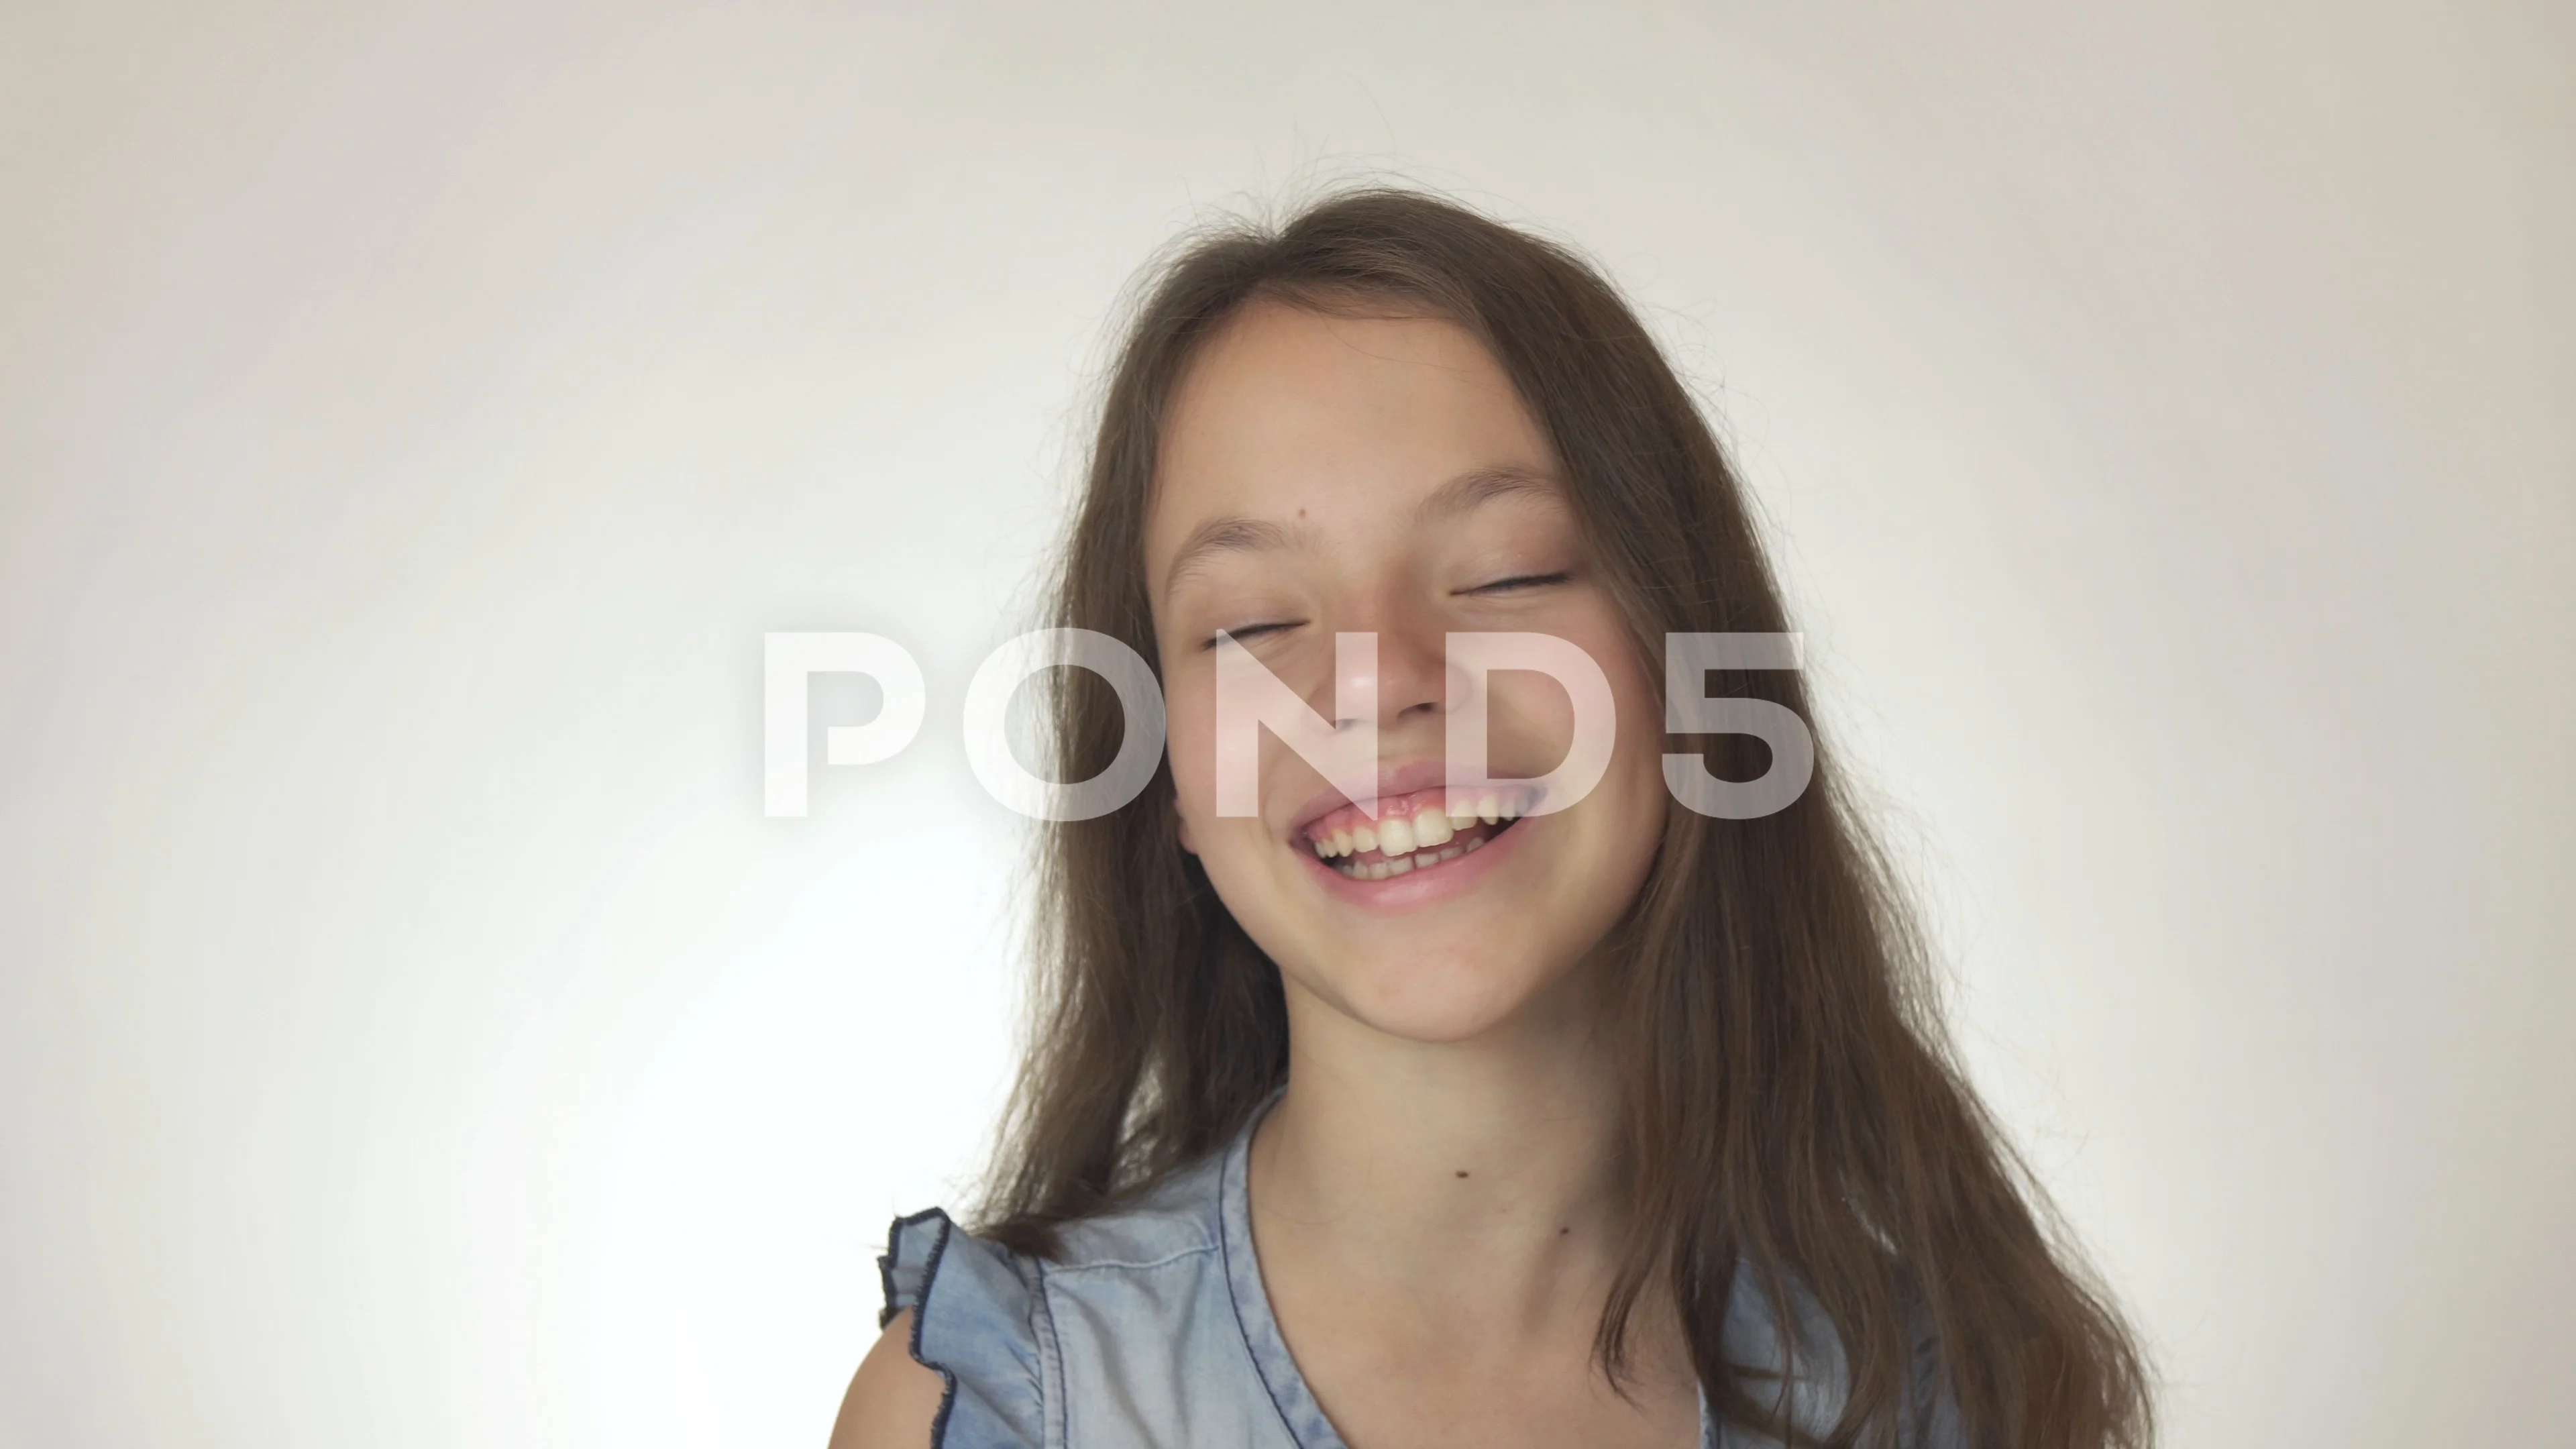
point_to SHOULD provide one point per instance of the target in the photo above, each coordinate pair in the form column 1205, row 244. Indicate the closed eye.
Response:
column 1249, row 631
column 1517, row 582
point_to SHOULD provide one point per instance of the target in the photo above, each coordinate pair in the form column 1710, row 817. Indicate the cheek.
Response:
column 1637, row 760
column 1190, row 745
column 1621, row 822
column 1640, row 749
column 1189, row 724
column 1536, row 714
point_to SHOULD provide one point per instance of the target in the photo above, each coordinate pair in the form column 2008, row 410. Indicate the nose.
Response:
column 1414, row 681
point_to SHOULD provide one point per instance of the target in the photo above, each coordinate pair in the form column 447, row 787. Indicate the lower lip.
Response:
column 1418, row 887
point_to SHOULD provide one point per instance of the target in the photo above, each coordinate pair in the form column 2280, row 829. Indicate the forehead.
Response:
column 1334, row 423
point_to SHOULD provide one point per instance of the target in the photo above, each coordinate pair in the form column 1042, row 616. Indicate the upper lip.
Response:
column 1395, row 779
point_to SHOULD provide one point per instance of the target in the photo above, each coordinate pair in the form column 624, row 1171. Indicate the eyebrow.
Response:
column 1230, row 534
column 1235, row 533
column 1480, row 486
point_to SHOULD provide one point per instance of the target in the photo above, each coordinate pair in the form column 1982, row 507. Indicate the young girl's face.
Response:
column 1322, row 475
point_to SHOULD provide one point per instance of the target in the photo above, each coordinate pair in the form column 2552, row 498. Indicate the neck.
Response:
column 1478, row 1173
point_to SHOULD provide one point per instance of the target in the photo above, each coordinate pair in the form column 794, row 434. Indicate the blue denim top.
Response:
column 1151, row 1328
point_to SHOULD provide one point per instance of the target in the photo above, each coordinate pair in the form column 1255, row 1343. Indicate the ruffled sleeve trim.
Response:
column 973, row 1324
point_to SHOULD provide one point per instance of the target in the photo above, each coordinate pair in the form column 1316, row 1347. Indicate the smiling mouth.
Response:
column 1420, row 831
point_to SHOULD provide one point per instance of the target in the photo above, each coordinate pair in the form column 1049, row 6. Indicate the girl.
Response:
column 1462, row 1117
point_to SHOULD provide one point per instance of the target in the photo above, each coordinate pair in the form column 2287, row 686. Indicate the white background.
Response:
column 411, row 418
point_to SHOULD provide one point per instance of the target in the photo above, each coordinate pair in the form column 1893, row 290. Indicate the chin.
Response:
column 1438, row 1000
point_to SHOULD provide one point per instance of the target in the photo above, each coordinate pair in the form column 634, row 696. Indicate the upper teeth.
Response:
column 1422, row 837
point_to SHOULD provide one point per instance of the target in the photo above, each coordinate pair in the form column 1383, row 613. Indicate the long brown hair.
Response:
column 1792, row 1117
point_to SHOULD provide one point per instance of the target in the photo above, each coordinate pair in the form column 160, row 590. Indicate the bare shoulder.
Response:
column 892, row 1400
